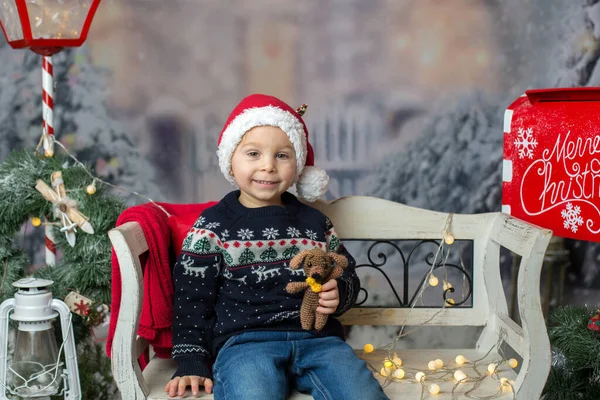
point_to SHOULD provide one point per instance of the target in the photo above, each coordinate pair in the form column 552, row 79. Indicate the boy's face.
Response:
column 263, row 166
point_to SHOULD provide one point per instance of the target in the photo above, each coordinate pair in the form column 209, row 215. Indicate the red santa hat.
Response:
column 262, row 110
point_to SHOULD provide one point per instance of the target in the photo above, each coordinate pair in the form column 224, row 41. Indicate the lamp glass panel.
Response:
column 31, row 372
column 9, row 16
column 57, row 19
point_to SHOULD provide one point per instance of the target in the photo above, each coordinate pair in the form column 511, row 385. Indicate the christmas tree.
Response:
column 575, row 372
column 84, row 267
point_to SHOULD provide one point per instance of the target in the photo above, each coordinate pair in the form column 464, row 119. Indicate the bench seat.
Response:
column 160, row 370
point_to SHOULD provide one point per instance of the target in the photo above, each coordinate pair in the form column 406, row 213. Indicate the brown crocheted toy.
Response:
column 319, row 268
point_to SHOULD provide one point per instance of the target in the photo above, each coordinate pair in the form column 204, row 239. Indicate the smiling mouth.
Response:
column 265, row 182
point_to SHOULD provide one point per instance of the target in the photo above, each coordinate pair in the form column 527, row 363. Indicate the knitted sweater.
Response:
column 232, row 272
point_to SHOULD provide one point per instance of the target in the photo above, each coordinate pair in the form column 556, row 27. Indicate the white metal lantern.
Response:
column 36, row 369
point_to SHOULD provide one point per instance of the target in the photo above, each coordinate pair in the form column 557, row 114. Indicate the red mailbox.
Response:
column 551, row 166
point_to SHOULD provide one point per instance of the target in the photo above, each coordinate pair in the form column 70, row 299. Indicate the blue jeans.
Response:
column 266, row 365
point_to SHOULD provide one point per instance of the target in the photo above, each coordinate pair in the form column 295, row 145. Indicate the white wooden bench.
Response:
column 368, row 218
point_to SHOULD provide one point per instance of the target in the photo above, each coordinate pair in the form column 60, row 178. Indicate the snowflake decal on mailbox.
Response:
column 526, row 143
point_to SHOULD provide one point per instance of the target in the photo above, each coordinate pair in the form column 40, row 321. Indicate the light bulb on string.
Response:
column 433, row 280
column 507, row 385
column 449, row 239
column 460, row 359
column 434, row 389
column 398, row 373
column 459, row 375
column 91, row 189
column 513, row 363
column 420, row 376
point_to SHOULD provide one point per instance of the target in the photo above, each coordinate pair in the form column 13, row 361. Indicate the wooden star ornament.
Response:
column 65, row 208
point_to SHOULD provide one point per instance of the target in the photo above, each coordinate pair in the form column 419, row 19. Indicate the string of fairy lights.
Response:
column 91, row 188
column 460, row 371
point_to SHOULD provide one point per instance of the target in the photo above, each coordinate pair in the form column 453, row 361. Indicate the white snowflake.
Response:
column 270, row 233
column 212, row 225
column 225, row 234
column 200, row 222
column 311, row 235
column 293, row 232
column 245, row 234
column 526, row 143
column 572, row 219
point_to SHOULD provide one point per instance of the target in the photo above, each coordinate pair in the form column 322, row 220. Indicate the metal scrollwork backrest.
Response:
column 447, row 258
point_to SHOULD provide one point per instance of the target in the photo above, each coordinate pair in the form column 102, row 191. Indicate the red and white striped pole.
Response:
column 50, row 245
column 48, row 142
column 48, row 106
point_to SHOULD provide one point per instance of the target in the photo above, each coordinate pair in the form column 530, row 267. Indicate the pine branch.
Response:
column 575, row 372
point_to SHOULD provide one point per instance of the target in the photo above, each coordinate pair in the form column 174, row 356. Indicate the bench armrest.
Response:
column 128, row 242
column 530, row 339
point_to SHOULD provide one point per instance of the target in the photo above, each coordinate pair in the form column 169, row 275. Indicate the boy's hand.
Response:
column 177, row 385
column 329, row 297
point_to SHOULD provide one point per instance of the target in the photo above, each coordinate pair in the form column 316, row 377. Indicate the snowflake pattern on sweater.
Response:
column 232, row 271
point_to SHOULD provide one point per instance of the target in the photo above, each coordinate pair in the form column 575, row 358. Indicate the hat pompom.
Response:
column 312, row 183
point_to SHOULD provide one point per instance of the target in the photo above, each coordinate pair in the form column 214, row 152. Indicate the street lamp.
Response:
column 35, row 369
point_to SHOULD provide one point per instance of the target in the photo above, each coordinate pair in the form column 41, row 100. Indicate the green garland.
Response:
column 575, row 373
column 85, row 267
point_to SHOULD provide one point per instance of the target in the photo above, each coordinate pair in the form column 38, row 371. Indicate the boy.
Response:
column 230, row 278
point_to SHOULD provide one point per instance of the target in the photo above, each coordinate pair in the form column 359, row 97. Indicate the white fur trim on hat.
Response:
column 312, row 183
column 261, row 116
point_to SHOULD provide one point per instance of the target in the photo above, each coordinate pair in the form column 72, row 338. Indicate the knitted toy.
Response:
column 319, row 268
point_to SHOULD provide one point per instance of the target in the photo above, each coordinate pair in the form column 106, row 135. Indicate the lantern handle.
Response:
column 74, row 387
column 5, row 308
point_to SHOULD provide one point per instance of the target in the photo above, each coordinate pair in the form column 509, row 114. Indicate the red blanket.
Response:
column 156, row 316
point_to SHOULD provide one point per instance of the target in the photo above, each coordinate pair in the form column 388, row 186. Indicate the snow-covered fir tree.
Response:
column 455, row 163
column 100, row 138
column 20, row 98
column 575, row 57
